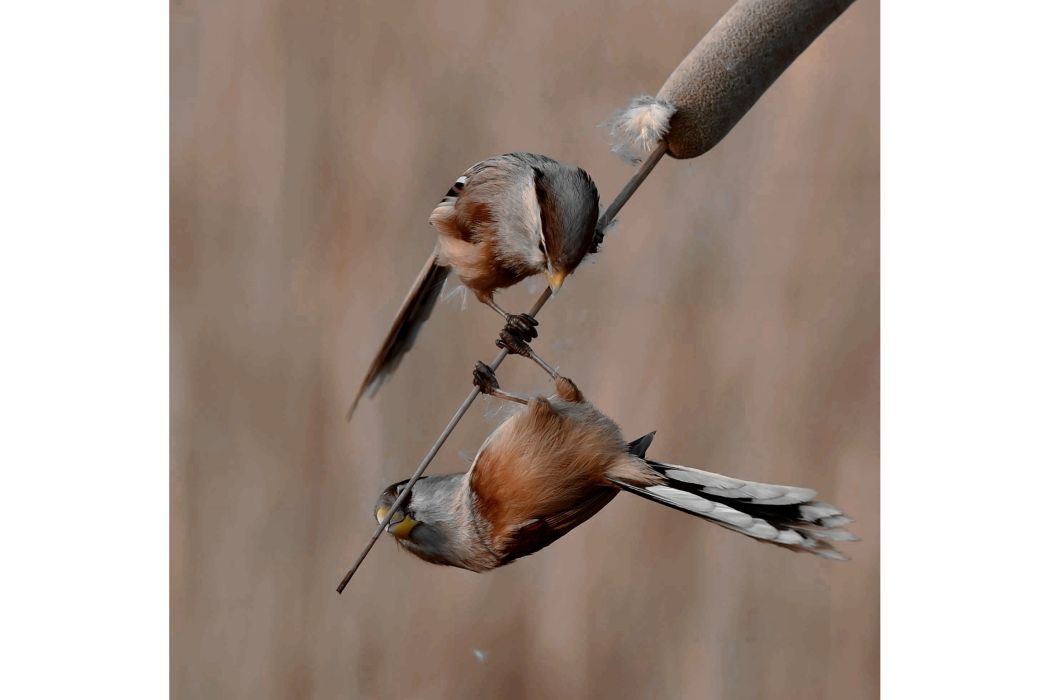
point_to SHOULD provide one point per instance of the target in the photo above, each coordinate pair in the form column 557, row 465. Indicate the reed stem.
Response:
column 604, row 220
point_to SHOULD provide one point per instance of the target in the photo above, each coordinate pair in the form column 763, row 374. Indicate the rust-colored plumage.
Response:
column 550, row 467
column 545, row 462
column 507, row 218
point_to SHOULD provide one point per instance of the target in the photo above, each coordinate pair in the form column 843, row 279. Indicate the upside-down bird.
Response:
column 507, row 218
column 553, row 465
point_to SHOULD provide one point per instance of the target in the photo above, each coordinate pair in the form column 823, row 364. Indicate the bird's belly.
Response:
column 477, row 268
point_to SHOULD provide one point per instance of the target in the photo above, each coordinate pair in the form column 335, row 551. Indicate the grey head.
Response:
column 434, row 522
column 568, row 203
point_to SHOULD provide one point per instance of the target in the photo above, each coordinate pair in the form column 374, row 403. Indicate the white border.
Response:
column 83, row 283
column 83, row 279
column 966, row 350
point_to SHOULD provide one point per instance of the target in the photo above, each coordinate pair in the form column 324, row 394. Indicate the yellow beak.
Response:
column 555, row 280
column 400, row 525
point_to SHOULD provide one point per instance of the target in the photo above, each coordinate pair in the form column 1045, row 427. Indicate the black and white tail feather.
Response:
column 787, row 516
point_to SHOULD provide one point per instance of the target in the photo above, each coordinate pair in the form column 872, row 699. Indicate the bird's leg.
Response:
column 491, row 303
column 523, row 325
column 514, row 344
column 485, row 380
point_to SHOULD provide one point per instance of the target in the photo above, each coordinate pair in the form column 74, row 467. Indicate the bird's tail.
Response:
column 415, row 309
column 783, row 515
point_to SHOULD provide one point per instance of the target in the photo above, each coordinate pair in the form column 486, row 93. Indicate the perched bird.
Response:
column 507, row 218
column 549, row 468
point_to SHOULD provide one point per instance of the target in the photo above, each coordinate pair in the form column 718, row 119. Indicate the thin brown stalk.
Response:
column 606, row 218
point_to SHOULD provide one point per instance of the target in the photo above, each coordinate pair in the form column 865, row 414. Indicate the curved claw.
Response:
column 523, row 325
column 485, row 378
column 513, row 343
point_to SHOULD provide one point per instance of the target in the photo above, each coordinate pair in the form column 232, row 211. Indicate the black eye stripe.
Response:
column 396, row 489
column 456, row 188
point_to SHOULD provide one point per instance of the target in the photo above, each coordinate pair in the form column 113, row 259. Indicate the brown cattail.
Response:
column 723, row 76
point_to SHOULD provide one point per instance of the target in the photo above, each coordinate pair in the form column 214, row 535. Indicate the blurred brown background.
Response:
column 735, row 309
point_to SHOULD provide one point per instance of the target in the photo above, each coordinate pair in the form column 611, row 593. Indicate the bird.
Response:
column 505, row 219
column 550, row 467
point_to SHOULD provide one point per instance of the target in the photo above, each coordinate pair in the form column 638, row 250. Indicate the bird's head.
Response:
column 568, row 203
column 427, row 522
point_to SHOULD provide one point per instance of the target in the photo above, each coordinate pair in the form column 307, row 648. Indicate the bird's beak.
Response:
column 400, row 525
column 555, row 279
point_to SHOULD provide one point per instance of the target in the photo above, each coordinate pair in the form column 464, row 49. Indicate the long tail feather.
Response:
column 783, row 515
column 414, row 311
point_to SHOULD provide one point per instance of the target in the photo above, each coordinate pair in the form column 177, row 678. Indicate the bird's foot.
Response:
column 485, row 378
column 513, row 343
column 523, row 326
